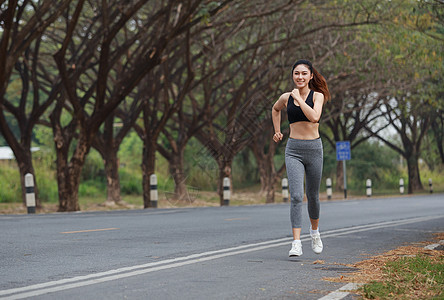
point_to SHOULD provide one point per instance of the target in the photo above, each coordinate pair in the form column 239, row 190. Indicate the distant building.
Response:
column 7, row 154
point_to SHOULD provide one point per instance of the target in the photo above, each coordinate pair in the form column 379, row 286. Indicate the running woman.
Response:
column 303, row 152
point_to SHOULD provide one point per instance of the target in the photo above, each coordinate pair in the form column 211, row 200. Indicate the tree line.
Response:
column 176, row 70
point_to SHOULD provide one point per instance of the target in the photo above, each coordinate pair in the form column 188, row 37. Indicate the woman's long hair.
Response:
column 318, row 82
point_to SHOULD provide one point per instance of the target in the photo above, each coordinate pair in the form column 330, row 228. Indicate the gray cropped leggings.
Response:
column 303, row 156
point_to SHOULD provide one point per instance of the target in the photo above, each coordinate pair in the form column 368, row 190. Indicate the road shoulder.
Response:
column 373, row 268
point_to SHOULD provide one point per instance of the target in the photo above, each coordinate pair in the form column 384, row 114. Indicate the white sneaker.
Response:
column 296, row 248
column 316, row 243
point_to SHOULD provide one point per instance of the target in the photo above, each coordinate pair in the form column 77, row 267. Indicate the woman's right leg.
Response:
column 295, row 174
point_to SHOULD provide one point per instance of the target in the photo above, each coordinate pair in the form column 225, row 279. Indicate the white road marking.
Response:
column 79, row 281
column 237, row 219
column 341, row 292
column 89, row 230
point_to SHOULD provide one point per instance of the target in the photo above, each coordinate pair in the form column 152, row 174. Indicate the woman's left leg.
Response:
column 313, row 173
column 313, row 176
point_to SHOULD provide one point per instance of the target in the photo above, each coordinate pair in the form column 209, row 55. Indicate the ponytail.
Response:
column 318, row 82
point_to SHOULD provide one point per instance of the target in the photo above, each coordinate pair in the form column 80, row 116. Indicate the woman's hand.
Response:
column 277, row 137
column 297, row 96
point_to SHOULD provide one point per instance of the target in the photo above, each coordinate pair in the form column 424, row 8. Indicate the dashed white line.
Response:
column 89, row 230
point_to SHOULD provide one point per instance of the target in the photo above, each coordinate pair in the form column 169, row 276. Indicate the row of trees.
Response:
column 172, row 70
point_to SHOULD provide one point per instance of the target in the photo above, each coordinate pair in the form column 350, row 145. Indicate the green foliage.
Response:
column 13, row 125
column 200, row 166
column 165, row 181
column 45, row 140
column 130, row 158
column 279, row 158
column 436, row 175
column 204, row 11
column 47, row 186
column 12, row 95
column 204, row 179
column 130, row 151
column 245, row 171
column 10, row 188
column 92, row 188
column 371, row 160
column 130, row 181
column 45, row 175
column 93, row 168
column 430, row 151
column 329, row 167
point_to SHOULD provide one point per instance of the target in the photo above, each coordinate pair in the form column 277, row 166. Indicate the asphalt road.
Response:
column 201, row 253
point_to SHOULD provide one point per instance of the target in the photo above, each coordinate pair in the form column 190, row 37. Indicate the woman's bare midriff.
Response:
column 304, row 130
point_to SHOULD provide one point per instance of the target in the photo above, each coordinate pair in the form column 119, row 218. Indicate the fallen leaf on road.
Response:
column 320, row 262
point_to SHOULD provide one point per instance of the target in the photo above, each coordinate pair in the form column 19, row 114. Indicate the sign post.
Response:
column 343, row 153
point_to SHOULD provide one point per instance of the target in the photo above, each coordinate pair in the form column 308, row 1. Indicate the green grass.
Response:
column 409, row 278
column 10, row 187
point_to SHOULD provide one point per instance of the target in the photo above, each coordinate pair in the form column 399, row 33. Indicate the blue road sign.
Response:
column 343, row 150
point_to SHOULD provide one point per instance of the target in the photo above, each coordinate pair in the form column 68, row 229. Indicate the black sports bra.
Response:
column 295, row 113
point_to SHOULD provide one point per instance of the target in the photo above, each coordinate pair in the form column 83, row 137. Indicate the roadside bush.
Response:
column 130, row 181
column 371, row 160
column 94, row 167
column 10, row 187
column 47, row 185
column 200, row 166
column 92, row 188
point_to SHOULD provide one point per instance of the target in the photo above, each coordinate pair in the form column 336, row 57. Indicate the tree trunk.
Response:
column 148, row 168
column 263, row 175
column 269, row 187
column 339, row 176
column 68, row 174
column 267, row 178
column 68, row 184
column 68, row 193
column 265, row 163
column 177, row 172
column 438, row 128
column 413, row 173
column 112, row 177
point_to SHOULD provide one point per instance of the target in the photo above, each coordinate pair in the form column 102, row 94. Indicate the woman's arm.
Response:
column 276, row 116
column 312, row 114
